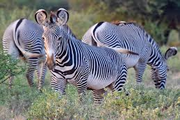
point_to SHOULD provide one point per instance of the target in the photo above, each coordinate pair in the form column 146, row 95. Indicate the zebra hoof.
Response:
column 127, row 93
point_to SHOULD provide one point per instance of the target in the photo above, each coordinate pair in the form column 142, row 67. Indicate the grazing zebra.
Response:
column 23, row 39
column 132, row 37
column 70, row 60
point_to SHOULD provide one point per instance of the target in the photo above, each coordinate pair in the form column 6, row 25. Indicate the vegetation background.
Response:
column 160, row 18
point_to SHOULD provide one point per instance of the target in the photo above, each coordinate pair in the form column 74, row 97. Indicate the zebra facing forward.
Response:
column 23, row 39
column 70, row 60
column 132, row 37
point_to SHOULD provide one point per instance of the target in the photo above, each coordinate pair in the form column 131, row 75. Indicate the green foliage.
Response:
column 52, row 106
column 80, row 27
column 156, row 31
column 142, row 104
column 139, row 104
column 9, row 66
column 35, row 4
column 15, row 102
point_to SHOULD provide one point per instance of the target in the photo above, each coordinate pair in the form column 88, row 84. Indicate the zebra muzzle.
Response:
column 50, row 62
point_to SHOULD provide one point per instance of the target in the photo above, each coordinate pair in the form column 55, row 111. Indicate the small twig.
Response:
column 14, row 85
column 4, row 80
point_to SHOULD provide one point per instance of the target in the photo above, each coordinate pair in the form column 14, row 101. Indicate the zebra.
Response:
column 72, row 61
column 23, row 39
column 132, row 37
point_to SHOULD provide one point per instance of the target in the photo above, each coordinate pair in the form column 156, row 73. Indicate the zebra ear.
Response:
column 63, row 16
column 41, row 17
column 172, row 51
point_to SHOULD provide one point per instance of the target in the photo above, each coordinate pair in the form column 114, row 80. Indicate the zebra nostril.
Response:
column 50, row 62
column 51, row 65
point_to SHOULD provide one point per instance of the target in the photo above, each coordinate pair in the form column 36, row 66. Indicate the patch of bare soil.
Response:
column 176, row 75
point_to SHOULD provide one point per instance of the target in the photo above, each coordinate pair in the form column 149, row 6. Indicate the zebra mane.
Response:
column 69, row 31
column 123, row 23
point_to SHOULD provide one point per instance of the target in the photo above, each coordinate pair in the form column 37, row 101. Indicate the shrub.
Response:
column 156, row 31
column 139, row 104
column 142, row 104
column 16, row 101
column 9, row 67
column 52, row 106
column 79, row 23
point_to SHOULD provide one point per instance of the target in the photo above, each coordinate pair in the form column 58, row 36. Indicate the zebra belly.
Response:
column 98, row 83
column 131, row 60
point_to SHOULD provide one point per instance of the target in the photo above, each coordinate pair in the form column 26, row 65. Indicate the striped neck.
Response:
column 156, row 59
column 66, row 50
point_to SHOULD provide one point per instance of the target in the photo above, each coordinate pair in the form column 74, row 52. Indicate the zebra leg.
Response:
column 41, row 72
column 82, row 84
column 32, row 64
column 162, row 79
column 159, row 76
column 140, row 68
column 98, row 96
column 155, row 78
column 120, row 81
column 141, row 65
column 58, row 84
column 162, row 83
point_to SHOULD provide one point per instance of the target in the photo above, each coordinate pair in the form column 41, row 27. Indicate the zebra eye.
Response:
column 43, row 38
column 59, row 38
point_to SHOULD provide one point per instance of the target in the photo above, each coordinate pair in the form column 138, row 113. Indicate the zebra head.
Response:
column 172, row 51
column 53, row 33
column 159, row 71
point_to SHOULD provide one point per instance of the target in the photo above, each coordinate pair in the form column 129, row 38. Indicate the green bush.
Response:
column 143, row 104
column 34, row 4
column 16, row 101
column 52, row 106
column 11, row 101
column 156, row 31
column 79, row 23
column 139, row 104
column 9, row 67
